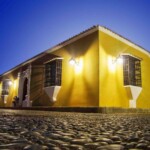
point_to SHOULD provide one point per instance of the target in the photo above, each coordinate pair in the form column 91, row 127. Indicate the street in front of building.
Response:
column 44, row 130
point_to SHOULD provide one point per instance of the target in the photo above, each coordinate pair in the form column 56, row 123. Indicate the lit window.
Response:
column 132, row 71
column 6, row 86
column 53, row 70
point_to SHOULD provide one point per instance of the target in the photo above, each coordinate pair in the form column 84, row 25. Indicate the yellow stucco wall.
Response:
column 112, row 92
column 95, row 81
column 80, row 85
column 13, row 90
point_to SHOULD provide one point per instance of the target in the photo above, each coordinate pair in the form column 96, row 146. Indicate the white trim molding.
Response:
column 26, row 74
column 122, row 39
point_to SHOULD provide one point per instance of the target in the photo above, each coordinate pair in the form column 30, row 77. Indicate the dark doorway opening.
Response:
column 25, row 84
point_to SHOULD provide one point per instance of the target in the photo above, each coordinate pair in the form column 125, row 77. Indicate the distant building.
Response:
column 96, row 68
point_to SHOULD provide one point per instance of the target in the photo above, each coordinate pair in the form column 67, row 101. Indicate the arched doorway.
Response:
column 25, row 88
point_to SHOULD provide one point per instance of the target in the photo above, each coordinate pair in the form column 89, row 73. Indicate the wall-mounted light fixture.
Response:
column 72, row 61
column 118, row 59
column 77, row 64
column 10, row 82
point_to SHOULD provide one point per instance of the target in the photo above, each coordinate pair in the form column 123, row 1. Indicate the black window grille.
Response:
column 132, row 71
column 53, row 71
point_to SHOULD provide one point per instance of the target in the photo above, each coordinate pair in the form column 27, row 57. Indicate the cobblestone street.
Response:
column 39, row 130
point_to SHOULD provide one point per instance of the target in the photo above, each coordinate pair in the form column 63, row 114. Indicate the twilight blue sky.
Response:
column 28, row 27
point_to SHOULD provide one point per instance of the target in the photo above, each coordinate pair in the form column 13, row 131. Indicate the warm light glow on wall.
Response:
column 15, row 84
column 120, row 60
column 79, row 66
column 113, row 62
column 72, row 61
column 10, row 83
column 111, row 65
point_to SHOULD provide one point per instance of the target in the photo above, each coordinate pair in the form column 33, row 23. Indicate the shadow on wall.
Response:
column 64, row 99
column 81, row 46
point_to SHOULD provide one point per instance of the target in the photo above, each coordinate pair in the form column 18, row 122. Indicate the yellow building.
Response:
column 96, row 68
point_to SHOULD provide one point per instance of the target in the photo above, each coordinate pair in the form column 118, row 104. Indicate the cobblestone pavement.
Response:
column 35, row 130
